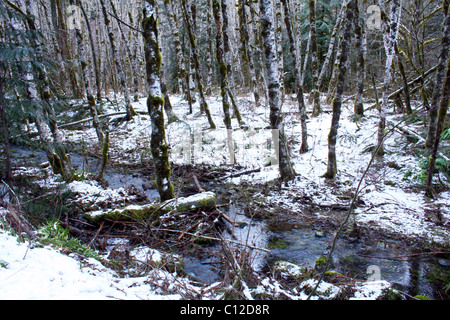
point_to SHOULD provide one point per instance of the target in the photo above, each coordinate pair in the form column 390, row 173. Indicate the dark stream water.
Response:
column 115, row 178
column 415, row 274
column 364, row 258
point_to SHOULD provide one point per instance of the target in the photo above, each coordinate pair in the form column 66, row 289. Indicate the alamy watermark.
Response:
column 253, row 148
column 373, row 21
column 73, row 17
column 374, row 272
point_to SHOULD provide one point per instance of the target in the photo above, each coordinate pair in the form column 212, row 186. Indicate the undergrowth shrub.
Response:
column 54, row 234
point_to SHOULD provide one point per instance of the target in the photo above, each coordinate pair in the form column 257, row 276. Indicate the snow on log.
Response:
column 202, row 201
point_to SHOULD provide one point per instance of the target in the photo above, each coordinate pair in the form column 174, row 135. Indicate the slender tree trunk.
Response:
column 306, row 59
column 198, row 79
column 390, row 38
column 137, row 79
column 90, row 98
column 442, row 113
column 155, row 101
column 296, row 69
column 332, row 82
column 209, row 55
column 332, row 44
column 93, row 52
column 4, row 125
column 279, row 45
column 57, row 157
column 118, row 64
column 245, row 50
column 171, row 116
column 66, row 50
column 359, row 31
column 406, row 92
column 276, row 119
column 223, row 70
column 314, row 58
column 190, row 16
column 440, row 75
column 133, row 64
column 337, row 101
column 228, row 61
column 56, row 153
column 183, row 75
column 259, row 47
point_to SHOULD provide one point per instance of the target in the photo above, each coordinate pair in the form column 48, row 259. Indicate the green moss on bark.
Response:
column 155, row 101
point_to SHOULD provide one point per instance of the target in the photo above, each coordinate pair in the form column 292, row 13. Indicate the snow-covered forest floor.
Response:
column 391, row 201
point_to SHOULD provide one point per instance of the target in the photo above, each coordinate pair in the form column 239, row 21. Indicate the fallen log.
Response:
column 238, row 174
column 65, row 125
column 218, row 239
column 410, row 83
column 202, row 201
column 197, row 184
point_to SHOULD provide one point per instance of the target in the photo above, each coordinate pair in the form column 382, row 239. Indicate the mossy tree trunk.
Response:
column 331, row 46
column 39, row 97
column 278, row 23
column 359, row 31
column 390, row 38
column 155, row 101
column 93, row 52
column 223, row 72
column 66, row 52
column 223, row 76
column 337, row 101
column 287, row 172
column 440, row 76
column 118, row 64
column 203, row 104
column 191, row 16
column 209, row 55
column 105, row 156
column 442, row 113
column 4, row 127
column 132, row 63
column 258, row 47
column 314, row 58
column 90, row 98
column 228, row 61
column 171, row 116
column 246, row 54
column 297, row 75
column 406, row 91
column 183, row 76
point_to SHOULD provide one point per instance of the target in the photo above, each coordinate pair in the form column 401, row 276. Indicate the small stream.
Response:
column 361, row 259
column 416, row 275
column 365, row 258
column 115, row 178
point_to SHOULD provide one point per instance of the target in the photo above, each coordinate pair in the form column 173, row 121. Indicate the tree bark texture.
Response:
column 223, row 70
column 90, row 98
column 203, row 104
column 155, row 101
column 276, row 119
column 337, row 101
column 4, row 125
column 389, row 38
column 440, row 76
column 442, row 113
column 118, row 64
column 314, row 58
column 297, row 75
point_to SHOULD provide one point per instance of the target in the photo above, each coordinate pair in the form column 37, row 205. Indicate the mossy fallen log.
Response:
column 202, row 201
